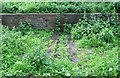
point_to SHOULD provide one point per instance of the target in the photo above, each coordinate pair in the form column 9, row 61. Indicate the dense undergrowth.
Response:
column 24, row 50
column 60, row 7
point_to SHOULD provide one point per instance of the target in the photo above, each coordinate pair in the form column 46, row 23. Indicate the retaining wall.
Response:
column 48, row 20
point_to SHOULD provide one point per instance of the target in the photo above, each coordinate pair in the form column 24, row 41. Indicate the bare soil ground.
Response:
column 72, row 50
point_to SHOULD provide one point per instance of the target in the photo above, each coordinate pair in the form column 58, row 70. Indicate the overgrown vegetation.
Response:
column 60, row 7
column 97, row 41
column 24, row 50
column 101, row 29
column 26, row 54
column 23, row 54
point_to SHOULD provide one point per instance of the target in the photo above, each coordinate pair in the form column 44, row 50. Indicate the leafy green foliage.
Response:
column 117, row 7
column 106, row 35
column 24, row 50
column 104, row 30
column 97, row 63
column 99, row 44
column 26, row 54
column 57, row 7
column 67, row 28
column 82, row 28
column 24, row 27
column 7, row 7
column 58, row 26
column 89, row 42
column 23, row 54
column 102, row 7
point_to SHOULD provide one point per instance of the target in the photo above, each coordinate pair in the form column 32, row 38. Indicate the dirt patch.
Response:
column 72, row 50
column 55, row 36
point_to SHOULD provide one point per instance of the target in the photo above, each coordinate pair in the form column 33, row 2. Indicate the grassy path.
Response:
column 54, row 42
column 62, row 47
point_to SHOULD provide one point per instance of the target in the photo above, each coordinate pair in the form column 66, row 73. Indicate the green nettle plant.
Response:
column 67, row 28
column 82, row 28
column 103, row 29
column 24, row 27
column 106, row 35
column 58, row 26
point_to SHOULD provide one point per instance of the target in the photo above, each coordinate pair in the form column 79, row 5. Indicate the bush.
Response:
column 104, row 30
column 56, row 7
column 90, row 42
column 117, row 7
column 106, row 35
column 82, row 28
